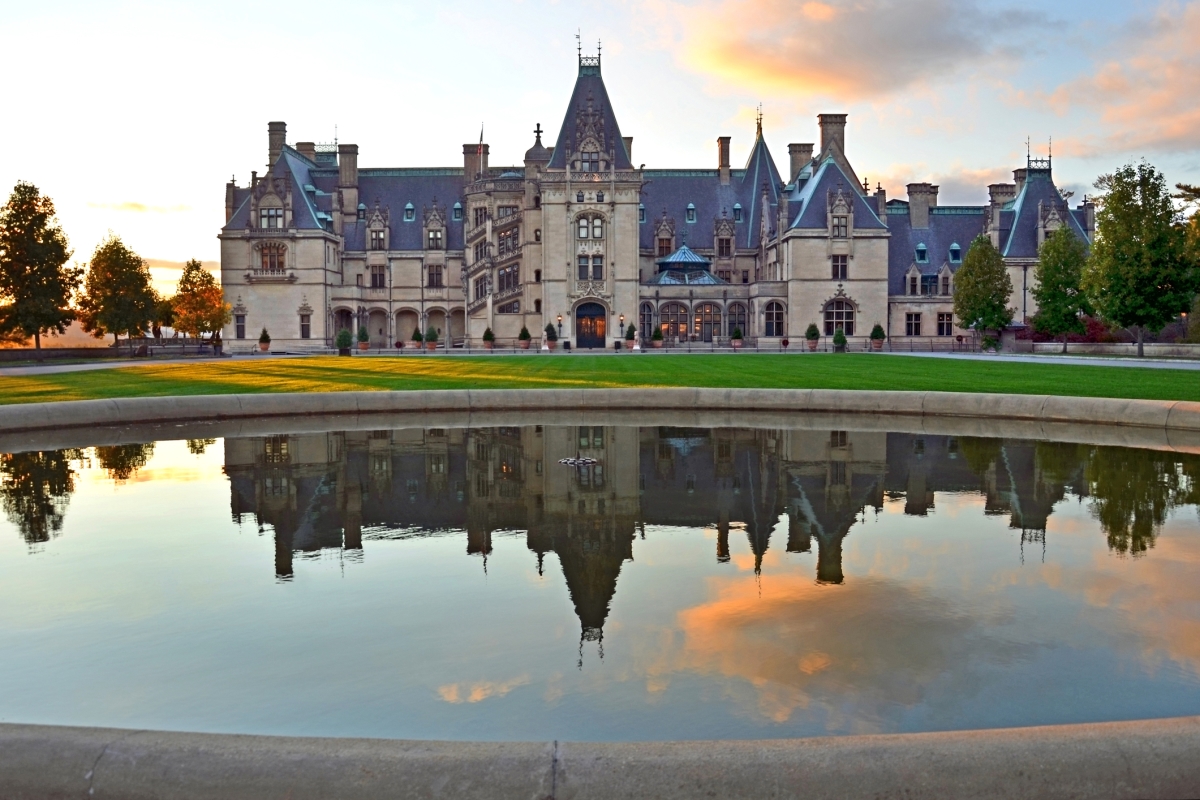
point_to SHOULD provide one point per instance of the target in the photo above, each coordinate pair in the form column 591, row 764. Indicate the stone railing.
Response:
column 476, row 232
column 511, row 255
column 499, row 223
column 510, row 292
column 592, row 177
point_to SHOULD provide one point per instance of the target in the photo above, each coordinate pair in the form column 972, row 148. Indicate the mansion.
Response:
column 578, row 236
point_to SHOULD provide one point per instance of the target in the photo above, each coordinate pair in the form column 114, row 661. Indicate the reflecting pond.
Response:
column 597, row 583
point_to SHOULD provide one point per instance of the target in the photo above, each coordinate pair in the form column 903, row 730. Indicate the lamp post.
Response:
column 560, row 326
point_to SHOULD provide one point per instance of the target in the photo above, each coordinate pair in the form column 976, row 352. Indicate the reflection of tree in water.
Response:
column 123, row 460
column 979, row 453
column 36, row 488
column 197, row 446
column 1133, row 490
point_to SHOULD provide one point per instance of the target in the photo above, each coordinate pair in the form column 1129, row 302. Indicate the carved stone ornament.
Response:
column 239, row 307
column 723, row 227
column 589, row 124
column 590, row 289
column 304, row 308
column 434, row 216
column 665, row 227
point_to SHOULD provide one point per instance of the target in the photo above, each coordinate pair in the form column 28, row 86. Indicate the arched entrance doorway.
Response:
column 590, row 325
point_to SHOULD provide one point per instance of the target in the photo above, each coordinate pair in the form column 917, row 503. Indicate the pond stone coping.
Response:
column 1146, row 759
column 1158, row 414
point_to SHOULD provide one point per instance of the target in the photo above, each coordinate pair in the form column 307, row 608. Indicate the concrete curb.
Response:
column 1154, row 758
column 1161, row 415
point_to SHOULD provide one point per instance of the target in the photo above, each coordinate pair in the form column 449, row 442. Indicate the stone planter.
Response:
column 264, row 346
column 629, row 345
column 364, row 347
column 736, row 343
column 431, row 345
column 877, row 344
column 343, row 351
column 839, row 348
column 489, row 345
column 657, row 342
column 812, row 345
column 525, row 344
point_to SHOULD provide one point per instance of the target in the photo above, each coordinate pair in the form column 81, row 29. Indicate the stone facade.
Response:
column 579, row 238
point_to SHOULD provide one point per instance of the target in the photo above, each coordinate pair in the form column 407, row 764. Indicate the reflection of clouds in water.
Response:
column 479, row 691
column 852, row 651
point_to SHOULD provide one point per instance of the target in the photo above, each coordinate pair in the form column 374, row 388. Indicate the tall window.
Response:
column 745, row 276
column 945, row 284
column 376, row 240
column 583, row 227
column 272, row 258
column 724, row 247
column 736, row 318
column 597, row 228
column 774, row 319
column 509, row 308
column 706, row 322
column 945, row 323
column 840, row 267
column 457, row 213
column 508, row 241
column 537, row 306
column 433, row 240
column 691, row 213
column 839, row 314
column 509, row 278
column 434, row 276
column 306, row 326
column 480, row 215
column 673, row 321
column 480, row 251
column 597, row 268
column 922, row 254
column 912, row 324
column 239, row 326
column 737, row 212
column 840, row 227
column 270, row 218
column 646, row 321
column 378, row 278
column 913, row 285
column 537, row 276
column 410, row 213
column 599, row 197
column 505, row 211
column 664, row 246
column 583, row 267
column 480, row 288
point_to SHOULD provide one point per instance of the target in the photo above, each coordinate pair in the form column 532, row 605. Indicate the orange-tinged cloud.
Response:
column 846, row 49
column 480, row 690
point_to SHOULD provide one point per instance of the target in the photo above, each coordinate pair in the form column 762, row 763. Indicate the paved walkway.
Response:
column 1085, row 361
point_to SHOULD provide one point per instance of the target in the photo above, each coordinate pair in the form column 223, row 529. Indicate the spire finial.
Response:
column 758, row 121
column 537, row 131
column 578, row 44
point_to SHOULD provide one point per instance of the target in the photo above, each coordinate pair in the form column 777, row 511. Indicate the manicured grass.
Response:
column 820, row 371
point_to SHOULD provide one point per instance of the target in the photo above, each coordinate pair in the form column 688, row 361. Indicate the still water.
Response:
column 667, row 584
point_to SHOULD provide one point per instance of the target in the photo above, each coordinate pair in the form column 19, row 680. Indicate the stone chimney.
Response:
column 348, row 177
column 881, row 201
column 921, row 198
column 1001, row 193
column 628, row 147
column 1089, row 212
column 276, row 139
column 473, row 164
column 800, row 155
column 1019, row 179
column 229, row 187
column 723, row 158
column 307, row 149
column 833, row 129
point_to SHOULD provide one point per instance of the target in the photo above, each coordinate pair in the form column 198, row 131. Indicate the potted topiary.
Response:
column 489, row 339
column 524, row 337
column 364, row 339
column 416, row 338
column 839, row 341
column 551, row 336
column 630, row 337
column 735, row 338
column 812, row 335
column 656, row 337
column 431, row 337
column 344, row 340
column 264, row 341
column 877, row 337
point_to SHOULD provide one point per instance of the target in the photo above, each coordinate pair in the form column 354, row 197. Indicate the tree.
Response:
column 982, row 288
column 123, row 460
column 117, row 297
column 1139, row 273
column 1061, row 301
column 35, row 284
column 35, row 489
column 199, row 305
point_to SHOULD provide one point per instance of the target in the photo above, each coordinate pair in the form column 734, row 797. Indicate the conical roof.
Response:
column 590, row 116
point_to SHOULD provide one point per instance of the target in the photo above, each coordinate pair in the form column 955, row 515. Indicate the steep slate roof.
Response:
column 395, row 188
column 672, row 190
column 1022, row 239
column 810, row 195
column 948, row 225
column 589, row 91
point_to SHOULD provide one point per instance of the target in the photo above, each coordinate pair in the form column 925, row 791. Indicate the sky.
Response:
column 133, row 115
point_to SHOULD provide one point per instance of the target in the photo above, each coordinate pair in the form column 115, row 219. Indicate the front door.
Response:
column 590, row 323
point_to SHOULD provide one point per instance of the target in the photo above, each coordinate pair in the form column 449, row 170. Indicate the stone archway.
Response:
column 436, row 319
column 591, row 324
column 407, row 322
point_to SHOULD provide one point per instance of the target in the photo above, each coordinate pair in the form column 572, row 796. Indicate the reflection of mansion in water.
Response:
column 792, row 489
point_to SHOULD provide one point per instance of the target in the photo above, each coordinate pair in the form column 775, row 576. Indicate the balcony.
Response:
column 274, row 275
column 500, row 223
column 511, row 255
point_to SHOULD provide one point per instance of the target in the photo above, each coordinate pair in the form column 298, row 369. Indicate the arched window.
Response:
column 736, row 318
column 922, row 254
column 839, row 314
column 706, row 322
column 673, row 320
column 646, row 322
column 597, row 228
column 774, row 319
column 458, row 212
column 593, row 224
column 583, row 227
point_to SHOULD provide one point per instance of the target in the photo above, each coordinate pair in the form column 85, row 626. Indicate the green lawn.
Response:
column 821, row 371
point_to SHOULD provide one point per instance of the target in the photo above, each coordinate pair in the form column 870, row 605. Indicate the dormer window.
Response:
column 270, row 218
column 737, row 212
column 691, row 213
column 922, row 254
column 841, row 228
column 589, row 162
column 724, row 247
column 914, row 285
column 457, row 212
column 955, row 254
column 377, row 240
column 434, row 240
column 362, row 211
column 641, row 213
column 410, row 213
